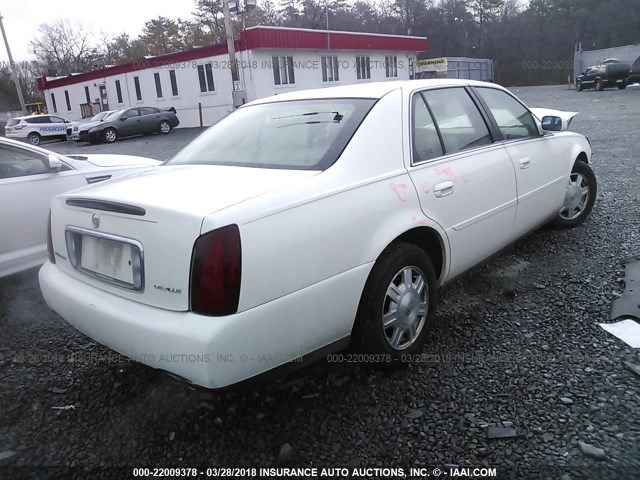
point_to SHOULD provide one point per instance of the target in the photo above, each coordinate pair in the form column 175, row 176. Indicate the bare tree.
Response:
column 64, row 48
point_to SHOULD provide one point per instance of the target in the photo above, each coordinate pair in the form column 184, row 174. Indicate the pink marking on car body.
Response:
column 402, row 194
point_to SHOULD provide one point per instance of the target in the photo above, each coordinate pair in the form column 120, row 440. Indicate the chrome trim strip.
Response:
column 137, row 261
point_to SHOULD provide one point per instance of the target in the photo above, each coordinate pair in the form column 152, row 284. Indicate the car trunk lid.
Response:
column 150, row 220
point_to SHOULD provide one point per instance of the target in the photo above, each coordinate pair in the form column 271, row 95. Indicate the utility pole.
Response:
column 12, row 65
column 230, row 42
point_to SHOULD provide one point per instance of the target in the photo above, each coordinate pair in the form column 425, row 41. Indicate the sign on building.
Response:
column 436, row 65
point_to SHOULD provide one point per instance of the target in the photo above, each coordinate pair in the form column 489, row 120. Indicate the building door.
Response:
column 104, row 101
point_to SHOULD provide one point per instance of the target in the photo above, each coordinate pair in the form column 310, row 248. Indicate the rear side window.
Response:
column 302, row 135
column 12, row 122
column 459, row 120
column 426, row 140
column 513, row 119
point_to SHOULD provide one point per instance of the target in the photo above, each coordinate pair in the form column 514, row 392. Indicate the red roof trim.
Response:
column 254, row 38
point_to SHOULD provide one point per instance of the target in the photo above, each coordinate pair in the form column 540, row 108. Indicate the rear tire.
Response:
column 397, row 307
column 622, row 86
column 580, row 197
column 34, row 138
column 164, row 127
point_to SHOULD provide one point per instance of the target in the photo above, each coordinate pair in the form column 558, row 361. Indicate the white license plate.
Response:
column 107, row 257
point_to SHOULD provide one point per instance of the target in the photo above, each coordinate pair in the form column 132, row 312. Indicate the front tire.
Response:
column 579, row 86
column 109, row 135
column 34, row 138
column 599, row 85
column 396, row 310
column 580, row 197
column 164, row 127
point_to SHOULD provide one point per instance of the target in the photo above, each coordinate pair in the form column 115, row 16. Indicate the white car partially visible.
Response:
column 36, row 128
column 30, row 177
column 309, row 219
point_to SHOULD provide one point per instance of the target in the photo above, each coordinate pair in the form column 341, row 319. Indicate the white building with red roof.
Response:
column 271, row 60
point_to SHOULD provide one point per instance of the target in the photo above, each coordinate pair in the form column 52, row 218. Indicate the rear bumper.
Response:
column 213, row 352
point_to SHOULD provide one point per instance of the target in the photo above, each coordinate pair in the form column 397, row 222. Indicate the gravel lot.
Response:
column 517, row 345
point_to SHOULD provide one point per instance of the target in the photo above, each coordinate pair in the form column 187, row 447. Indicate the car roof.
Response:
column 37, row 115
column 370, row 90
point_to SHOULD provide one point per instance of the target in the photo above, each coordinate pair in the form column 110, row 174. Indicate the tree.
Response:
column 63, row 48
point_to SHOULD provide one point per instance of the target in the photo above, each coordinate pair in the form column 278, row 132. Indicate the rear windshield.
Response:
column 12, row 122
column 303, row 135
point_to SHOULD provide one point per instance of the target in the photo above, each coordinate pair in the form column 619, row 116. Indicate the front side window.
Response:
column 300, row 135
column 330, row 69
column 16, row 162
column 391, row 67
column 283, row 70
column 460, row 123
column 53, row 119
column 131, row 113
column 363, row 68
column 513, row 119
column 136, row 82
column 426, row 139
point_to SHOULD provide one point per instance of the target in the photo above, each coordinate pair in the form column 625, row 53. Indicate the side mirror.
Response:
column 552, row 123
column 54, row 163
column 122, row 119
column 67, row 121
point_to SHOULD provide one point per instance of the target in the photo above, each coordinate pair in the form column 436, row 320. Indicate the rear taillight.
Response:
column 52, row 256
column 215, row 272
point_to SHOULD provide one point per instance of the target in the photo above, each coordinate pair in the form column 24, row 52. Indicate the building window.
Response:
column 86, row 94
column 174, row 83
column 330, row 69
column 118, row 91
column 363, row 68
column 283, row 70
column 66, row 97
column 391, row 66
column 205, row 75
column 156, row 77
column 136, row 81
column 53, row 103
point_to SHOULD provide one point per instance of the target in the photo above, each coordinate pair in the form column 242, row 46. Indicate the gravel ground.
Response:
column 517, row 345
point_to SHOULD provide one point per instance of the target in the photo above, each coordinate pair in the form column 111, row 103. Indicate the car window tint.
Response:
column 513, row 119
column 130, row 113
column 18, row 162
column 426, row 142
column 148, row 111
column 40, row 119
column 303, row 135
column 458, row 119
column 56, row 119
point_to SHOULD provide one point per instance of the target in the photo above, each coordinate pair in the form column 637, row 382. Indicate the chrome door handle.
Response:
column 525, row 162
column 443, row 189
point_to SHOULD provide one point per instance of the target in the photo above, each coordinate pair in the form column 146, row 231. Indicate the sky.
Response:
column 21, row 18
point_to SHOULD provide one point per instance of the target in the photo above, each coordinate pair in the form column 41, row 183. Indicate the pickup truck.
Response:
column 610, row 73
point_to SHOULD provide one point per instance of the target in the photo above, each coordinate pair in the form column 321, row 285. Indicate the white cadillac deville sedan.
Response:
column 310, row 219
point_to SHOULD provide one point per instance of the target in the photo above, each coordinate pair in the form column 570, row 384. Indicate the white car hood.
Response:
column 192, row 189
column 108, row 160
